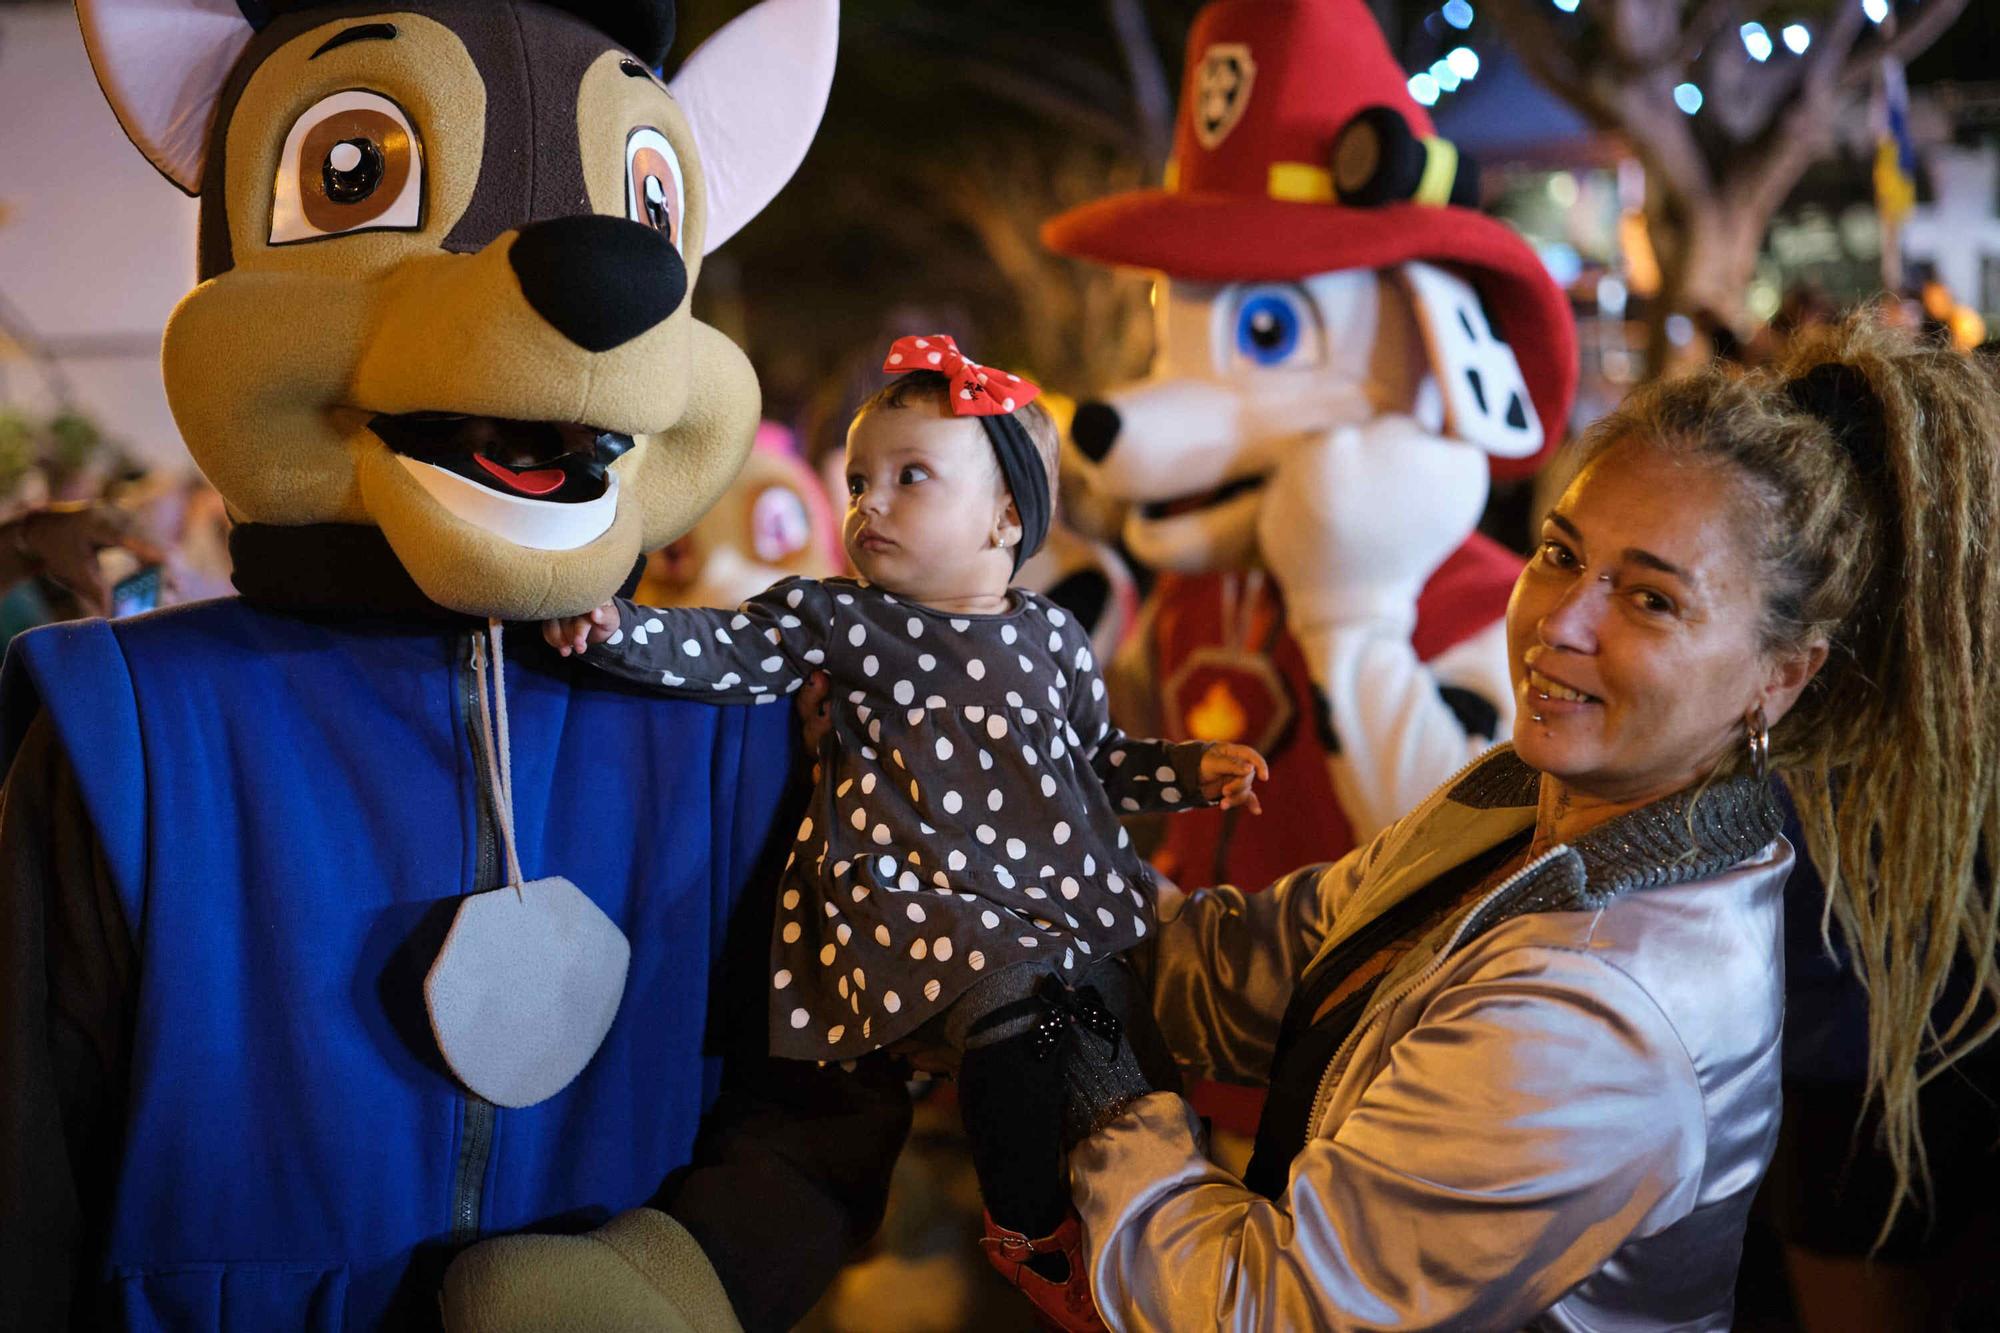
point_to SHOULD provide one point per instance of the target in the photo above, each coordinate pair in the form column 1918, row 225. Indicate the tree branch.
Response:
column 1927, row 25
column 1152, row 99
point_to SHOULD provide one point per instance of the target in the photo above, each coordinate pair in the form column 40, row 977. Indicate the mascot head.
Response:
column 447, row 248
column 1323, row 263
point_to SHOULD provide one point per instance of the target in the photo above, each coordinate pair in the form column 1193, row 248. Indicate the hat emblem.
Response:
column 1222, row 91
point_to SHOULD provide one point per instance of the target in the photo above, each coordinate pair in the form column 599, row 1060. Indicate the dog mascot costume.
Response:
column 1346, row 346
column 270, row 1056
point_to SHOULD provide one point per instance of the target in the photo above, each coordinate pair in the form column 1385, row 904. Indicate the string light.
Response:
column 1876, row 10
column 1797, row 38
column 1424, row 89
column 1566, row 6
column 1464, row 61
column 1757, row 41
column 1458, row 13
column 1687, row 97
column 1447, row 78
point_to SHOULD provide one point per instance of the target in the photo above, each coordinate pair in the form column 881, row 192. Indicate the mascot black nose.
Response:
column 1095, row 430
column 602, row 281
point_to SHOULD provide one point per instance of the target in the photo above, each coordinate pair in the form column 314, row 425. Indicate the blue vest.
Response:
column 289, row 808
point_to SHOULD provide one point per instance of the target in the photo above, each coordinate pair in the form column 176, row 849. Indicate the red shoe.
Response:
column 1064, row 1307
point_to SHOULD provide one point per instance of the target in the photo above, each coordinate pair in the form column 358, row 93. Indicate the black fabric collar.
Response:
column 334, row 568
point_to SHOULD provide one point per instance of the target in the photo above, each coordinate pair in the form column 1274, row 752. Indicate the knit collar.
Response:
column 1693, row 834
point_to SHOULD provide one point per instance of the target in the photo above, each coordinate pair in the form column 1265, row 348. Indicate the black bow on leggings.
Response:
column 1063, row 1008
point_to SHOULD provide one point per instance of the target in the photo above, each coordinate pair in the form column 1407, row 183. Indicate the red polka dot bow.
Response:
column 976, row 390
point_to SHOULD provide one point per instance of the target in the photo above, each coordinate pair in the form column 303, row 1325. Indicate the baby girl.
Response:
column 960, row 875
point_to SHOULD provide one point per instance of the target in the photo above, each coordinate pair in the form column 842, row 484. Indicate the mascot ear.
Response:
column 1486, row 401
column 753, row 94
column 162, row 64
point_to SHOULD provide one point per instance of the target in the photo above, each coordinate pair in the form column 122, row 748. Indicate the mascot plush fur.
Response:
column 443, row 370
column 1346, row 348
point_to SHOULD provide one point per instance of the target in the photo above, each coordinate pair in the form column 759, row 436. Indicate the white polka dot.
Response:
column 960, row 625
column 1016, row 848
column 1028, row 942
column 799, row 1017
column 1027, row 664
column 976, row 669
column 875, row 729
column 907, row 881
column 882, row 935
column 891, row 1001
column 826, row 955
column 789, row 622
column 956, row 860
column 791, row 932
column 985, row 760
column 904, row 692
column 835, row 1033
column 1117, row 758
column 1085, row 946
column 1056, row 617
column 932, row 989
column 993, row 799
column 990, row 920
column 1055, row 702
column 1060, row 832
column 915, row 911
column 1005, row 876
column 869, row 666
column 860, row 892
column 722, row 635
column 843, row 932
column 1089, row 865
column 985, row 833
column 867, row 783
column 996, row 726
column 815, row 656
column 915, row 795
column 1048, row 785
column 941, row 950
column 952, row 802
column 943, row 748
column 844, row 599
column 1104, row 915
column 857, row 635
column 897, row 755
column 914, row 716
column 1139, row 924
column 942, row 881
column 1096, row 687
column 1124, row 838
column 1028, row 753
column 1007, row 404
column 925, row 661
column 1069, row 958
column 691, row 648
column 1129, row 804
column 885, row 867
column 934, row 701
column 1036, row 892
column 975, row 960
column 919, row 948
column 770, row 664
column 1047, row 871
column 1055, row 642
column 1008, row 634
column 1170, row 794
column 881, row 835
column 1070, row 888
column 791, row 899
column 915, row 628
column 859, row 819
column 782, row 979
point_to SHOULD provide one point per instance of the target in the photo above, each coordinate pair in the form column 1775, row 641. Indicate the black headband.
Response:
column 1839, row 396
column 1027, row 480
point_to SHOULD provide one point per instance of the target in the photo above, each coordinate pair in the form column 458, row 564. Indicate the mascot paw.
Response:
column 639, row 1272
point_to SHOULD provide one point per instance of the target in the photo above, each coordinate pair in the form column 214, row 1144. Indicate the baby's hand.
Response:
column 1227, row 772
column 573, row 634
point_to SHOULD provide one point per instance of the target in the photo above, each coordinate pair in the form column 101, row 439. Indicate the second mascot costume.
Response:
column 271, row 1057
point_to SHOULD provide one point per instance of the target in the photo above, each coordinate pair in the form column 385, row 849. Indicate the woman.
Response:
column 1523, row 1048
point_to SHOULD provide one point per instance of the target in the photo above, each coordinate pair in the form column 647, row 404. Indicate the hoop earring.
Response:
column 1757, row 735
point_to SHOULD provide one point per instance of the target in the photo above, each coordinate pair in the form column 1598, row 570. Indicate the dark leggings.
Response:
column 1012, row 1102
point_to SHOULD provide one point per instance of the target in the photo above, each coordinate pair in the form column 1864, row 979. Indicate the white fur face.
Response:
column 1244, row 371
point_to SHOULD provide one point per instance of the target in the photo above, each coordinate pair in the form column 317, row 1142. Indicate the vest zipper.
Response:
column 1324, row 1093
column 476, row 1115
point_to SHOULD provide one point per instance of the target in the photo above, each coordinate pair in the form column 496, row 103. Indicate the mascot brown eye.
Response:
column 654, row 187
column 351, row 163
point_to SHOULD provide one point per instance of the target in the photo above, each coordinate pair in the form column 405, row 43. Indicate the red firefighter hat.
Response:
column 1270, row 182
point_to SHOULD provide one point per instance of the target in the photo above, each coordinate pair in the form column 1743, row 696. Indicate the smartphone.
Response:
column 139, row 592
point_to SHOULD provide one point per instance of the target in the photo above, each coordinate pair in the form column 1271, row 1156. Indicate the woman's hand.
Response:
column 1228, row 771
column 573, row 634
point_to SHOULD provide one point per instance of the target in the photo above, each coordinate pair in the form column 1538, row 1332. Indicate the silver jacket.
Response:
column 1554, row 1114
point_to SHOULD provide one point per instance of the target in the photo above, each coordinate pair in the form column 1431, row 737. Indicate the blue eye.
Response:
column 1270, row 328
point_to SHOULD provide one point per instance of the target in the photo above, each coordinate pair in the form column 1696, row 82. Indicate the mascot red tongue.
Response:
column 1346, row 350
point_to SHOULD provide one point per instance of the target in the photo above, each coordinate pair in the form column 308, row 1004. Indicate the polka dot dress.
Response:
column 967, row 817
